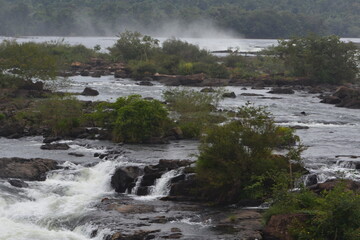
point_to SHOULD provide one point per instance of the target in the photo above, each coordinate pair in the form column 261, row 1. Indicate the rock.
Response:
column 330, row 184
column 299, row 127
column 89, row 92
column 141, row 208
column 279, row 226
column 18, row 183
column 34, row 169
column 145, row 83
column 120, row 74
column 207, row 90
column 159, row 219
column 251, row 95
column 76, row 154
column 330, row 100
column 142, row 191
column 29, row 85
column 149, row 179
column 55, row 146
column 311, row 179
column 174, row 229
column 124, row 178
column 97, row 74
column 178, row 178
column 51, row 139
column 137, row 235
column 229, row 95
column 282, row 91
column 173, row 236
column 85, row 73
column 165, row 164
column 178, row 132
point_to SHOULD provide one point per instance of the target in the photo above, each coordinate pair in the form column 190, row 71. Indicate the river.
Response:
column 65, row 206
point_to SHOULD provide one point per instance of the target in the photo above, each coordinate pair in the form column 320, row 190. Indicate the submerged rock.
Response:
column 55, row 146
column 34, row 169
column 18, row 183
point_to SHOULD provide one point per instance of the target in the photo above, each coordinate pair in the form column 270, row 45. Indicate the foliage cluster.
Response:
column 237, row 159
column 145, row 56
column 252, row 18
column 193, row 110
column 58, row 114
column 133, row 119
column 333, row 214
column 322, row 59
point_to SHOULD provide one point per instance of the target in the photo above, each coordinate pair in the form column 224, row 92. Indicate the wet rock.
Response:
column 311, row 179
column 124, row 178
column 207, row 90
column 178, row 133
column 34, row 169
column 159, row 219
column 85, row 73
column 142, row 191
column 141, row 208
column 51, row 139
column 344, row 97
column 165, row 164
column 137, row 235
column 97, row 74
column 178, row 178
column 76, row 154
column 55, row 146
column 299, row 127
column 121, row 74
column 330, row 184
column 330, row 100
column 229, row 95
column 251, row 95
column 282, row 91
column 279, row 226
column 18, row 183
column 149, row 179
column 173, row 236
column 174, row 229
column 145, row 83
column 89, row 92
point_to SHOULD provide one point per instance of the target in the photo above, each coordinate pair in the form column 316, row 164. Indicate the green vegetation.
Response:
column 333, row 214
column 322, row 59
column 237, row 159
column 58, row 114
column 252, row 18
column 193, row 110
column 28, row 60
column 133, row 119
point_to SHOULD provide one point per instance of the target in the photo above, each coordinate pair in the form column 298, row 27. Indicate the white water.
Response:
column 52, row 209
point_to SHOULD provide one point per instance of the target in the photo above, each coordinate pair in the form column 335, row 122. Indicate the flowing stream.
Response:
column 64, row 207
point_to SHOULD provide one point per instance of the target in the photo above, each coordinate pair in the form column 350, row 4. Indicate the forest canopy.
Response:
column 249, row 18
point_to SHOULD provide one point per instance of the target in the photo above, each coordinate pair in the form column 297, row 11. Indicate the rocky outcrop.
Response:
column 180, row 80
column 344, row 97
column 124, row 178
column 282, row 91
column 330, row 184
column 34, row 169
column 55, row 146
column 89, row 92
column 229, row 95
column 278, row 227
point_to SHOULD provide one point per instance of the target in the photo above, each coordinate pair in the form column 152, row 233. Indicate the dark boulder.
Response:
column 55, row 146
column 251, row 95
column 229, row 95
column 18, row 183
column 34, row 169
column 124, row 178
column 51, row 139
column 89, row 92
column 145, row 83
column 85, row 73
column 282, row 91
column 331, row 100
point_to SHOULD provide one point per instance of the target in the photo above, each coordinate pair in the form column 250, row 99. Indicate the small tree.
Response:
column 323, row 59
column 27, row 60
column 133, row 46
column 236, row 158
column 133, row 119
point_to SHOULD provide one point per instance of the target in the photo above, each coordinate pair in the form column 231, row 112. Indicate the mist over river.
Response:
column 65, row 206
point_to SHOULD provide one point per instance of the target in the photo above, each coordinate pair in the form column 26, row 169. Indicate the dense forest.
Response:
column 249, row 18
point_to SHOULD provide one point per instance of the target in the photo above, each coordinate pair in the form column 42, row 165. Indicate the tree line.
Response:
column 251, row 18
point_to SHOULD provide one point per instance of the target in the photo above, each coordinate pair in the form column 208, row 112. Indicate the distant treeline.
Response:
column 250, row 18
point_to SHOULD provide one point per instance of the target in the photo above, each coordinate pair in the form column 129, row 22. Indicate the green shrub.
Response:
column 2, row 117
column 140, row 69
column 236, row 158
column 322, row 59
column 333, row 214
column 133, row 119
column 218, row 71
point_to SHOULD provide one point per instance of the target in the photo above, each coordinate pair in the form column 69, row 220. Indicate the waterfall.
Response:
column 162, row 185
column 137, row 185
